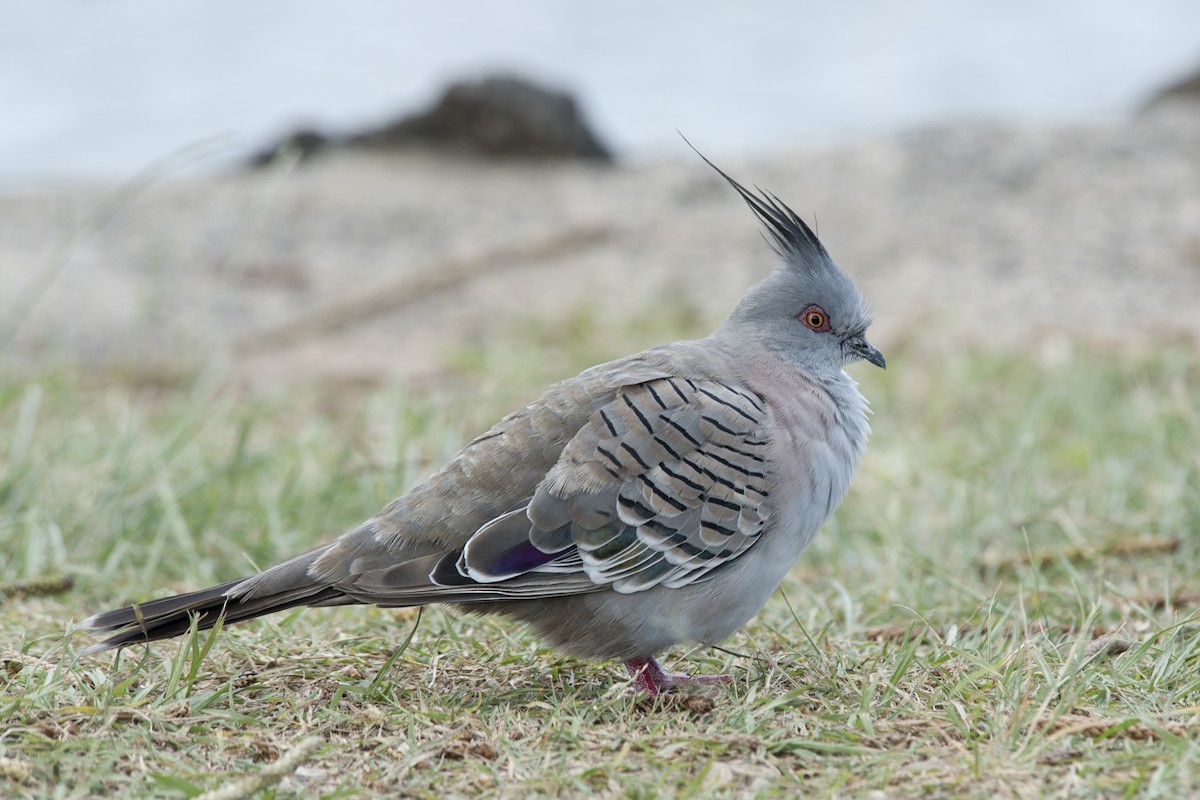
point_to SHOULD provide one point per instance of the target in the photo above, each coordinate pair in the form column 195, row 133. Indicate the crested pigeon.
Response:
column 653, row 500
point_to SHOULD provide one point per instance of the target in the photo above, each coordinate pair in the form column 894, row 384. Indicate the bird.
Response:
column 654, row 500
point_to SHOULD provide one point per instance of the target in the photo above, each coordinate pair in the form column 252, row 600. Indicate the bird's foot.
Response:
column 651, row 678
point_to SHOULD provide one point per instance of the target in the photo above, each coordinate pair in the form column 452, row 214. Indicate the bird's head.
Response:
column 808, row 311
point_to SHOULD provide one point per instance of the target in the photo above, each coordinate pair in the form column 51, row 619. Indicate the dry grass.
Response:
column 1003, row 607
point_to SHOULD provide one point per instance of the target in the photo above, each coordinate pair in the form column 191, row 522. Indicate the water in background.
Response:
column 106, row 88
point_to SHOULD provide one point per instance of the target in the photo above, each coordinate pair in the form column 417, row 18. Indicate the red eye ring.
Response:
column 815, row 318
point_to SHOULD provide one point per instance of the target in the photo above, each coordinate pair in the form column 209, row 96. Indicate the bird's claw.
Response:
column 650, row 678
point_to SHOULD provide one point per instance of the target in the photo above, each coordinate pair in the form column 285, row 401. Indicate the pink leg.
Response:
column 651, row 678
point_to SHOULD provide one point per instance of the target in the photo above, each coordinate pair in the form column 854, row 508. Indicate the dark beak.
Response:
column 859, row 347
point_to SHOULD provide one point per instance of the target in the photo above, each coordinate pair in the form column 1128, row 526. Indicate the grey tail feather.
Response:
column 789, row 233
column 172, row 616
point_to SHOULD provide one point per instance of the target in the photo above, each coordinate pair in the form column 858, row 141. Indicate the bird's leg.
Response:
column 651, row 678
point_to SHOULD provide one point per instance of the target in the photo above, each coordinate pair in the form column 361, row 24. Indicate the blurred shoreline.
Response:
column 100, row 89
column 372, row 268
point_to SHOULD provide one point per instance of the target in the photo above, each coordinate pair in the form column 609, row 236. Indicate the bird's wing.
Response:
column 664, row 483
column 496, row 472
column 660, row 481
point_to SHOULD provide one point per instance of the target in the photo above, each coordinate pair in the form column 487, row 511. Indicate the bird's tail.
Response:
column 498, row 564
column 235, row 601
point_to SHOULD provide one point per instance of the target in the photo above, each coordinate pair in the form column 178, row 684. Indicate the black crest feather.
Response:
column 789, row 235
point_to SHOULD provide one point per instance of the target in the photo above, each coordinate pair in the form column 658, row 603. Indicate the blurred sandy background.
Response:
column 987, row 175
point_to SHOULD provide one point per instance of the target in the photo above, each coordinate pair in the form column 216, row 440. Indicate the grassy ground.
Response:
column 1004, row 606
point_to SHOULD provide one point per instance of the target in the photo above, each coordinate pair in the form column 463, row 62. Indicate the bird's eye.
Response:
column 814, row 317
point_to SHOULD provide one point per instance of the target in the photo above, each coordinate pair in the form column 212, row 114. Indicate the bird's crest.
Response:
column 788, row 234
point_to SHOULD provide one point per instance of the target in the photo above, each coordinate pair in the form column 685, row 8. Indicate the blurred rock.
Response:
column 1184, row 92
column 500, row 116
column 497, row 117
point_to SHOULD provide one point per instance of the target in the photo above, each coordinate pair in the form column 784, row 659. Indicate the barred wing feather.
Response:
column 664, row 484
